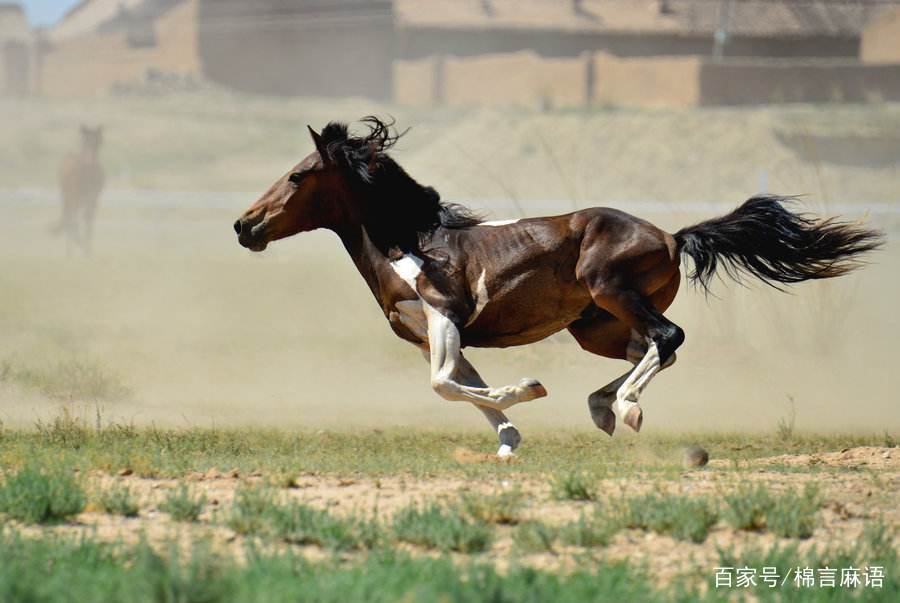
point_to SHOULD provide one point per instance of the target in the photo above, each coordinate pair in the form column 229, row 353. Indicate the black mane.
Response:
column 399, row 212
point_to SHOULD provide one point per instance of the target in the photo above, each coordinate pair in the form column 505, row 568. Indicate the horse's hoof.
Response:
column 505, row 451
column 634, row 418
column 605, row 419
column 537, row 390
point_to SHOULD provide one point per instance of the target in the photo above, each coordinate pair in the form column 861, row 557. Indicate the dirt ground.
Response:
column 857, row 485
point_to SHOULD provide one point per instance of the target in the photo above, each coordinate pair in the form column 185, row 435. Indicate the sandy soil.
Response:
column 852, row 499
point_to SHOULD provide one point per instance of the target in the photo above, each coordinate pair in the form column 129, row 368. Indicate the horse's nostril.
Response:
column 237, row 227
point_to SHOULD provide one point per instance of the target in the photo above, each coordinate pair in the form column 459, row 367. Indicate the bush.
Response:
column 36, row 496
column 535, row 537
column 590, row 532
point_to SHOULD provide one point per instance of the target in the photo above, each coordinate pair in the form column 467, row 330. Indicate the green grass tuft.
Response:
column 438, row 527
column 118, row 500
column 793, row 515
column 590, row 532
column 535, row 537
column 681, row 517
column 183, row 505
column 34, row 495
column 573, row 486
column 500, row 507
column 747, row 508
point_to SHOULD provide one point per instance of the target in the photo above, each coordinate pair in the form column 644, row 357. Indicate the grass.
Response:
column 73, row 378
column 36, row 495
column 789, row 515
column 259, row 511
column 793, row 514
column 682, row 517
column 501, row 507
column 156, row 452
column 588, row 532
column 118, row 500
column 535, row 537
column 573, row 486
column 437, row 526
column 85, row 570
column 183, row 505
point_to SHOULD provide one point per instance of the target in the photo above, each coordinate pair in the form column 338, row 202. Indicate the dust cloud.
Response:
column 170, row 322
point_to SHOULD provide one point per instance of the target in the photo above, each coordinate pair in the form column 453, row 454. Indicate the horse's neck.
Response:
column 372, row 264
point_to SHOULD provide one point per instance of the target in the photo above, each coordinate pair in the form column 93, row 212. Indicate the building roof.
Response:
column 89, row 16
column 13, row 23
column 757, row 18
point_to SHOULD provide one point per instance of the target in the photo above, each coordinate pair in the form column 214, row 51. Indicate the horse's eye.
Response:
column 296, row 177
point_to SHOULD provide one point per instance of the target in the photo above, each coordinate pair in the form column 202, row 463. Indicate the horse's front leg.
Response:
column 447, row 372
column 510, row 438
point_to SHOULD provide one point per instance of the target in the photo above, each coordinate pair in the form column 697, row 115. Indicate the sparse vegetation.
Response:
column 535, row 537
column 789, row 515
column 436, row 526
column 72, row 378
column 589, row 532
column 500, row 507
column 118, row 500
column 36, row 495
column 793, row 515
column 680, row 516
column 573, row 486
column 183, row 505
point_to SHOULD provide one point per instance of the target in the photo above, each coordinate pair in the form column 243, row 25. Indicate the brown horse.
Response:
column 81, row 182
column 446, row 280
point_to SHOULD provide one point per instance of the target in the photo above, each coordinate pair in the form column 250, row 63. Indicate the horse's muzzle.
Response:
column 251, row 233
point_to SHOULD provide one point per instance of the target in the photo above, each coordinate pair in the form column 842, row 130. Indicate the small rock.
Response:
column 233, row 474
column 695, row 456
column 124, row 472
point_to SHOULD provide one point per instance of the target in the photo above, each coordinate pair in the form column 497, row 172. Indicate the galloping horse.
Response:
column 446, row 280
column 81, row 182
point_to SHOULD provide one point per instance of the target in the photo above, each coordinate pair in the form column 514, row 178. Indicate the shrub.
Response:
column 535, row 537
column 33, row 495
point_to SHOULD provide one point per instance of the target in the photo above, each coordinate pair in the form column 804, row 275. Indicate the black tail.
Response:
column 763, row 239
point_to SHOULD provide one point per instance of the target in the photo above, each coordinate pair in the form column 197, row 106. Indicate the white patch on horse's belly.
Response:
column 481, row 297
column 499, row 222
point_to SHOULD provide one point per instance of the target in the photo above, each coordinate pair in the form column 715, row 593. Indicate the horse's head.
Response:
column 91, row 138
column 305, row 198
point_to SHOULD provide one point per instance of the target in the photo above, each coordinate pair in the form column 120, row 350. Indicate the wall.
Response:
column 94, row 64
column 652, row 82
column 741, row 83
column 881, row 40
column 336, row 49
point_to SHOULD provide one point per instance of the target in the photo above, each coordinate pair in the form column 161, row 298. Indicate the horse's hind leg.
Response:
column 647, row 340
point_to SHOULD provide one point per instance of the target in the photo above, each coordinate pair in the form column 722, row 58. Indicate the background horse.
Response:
column 80, row 183
column 446, row 279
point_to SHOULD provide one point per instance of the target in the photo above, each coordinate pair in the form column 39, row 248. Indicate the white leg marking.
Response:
column 499, row 222
column 444, row 344
column 630, row 390
column 446, row 360
column 481, row 298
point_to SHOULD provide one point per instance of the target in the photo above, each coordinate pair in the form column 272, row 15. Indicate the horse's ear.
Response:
column 320, row 145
